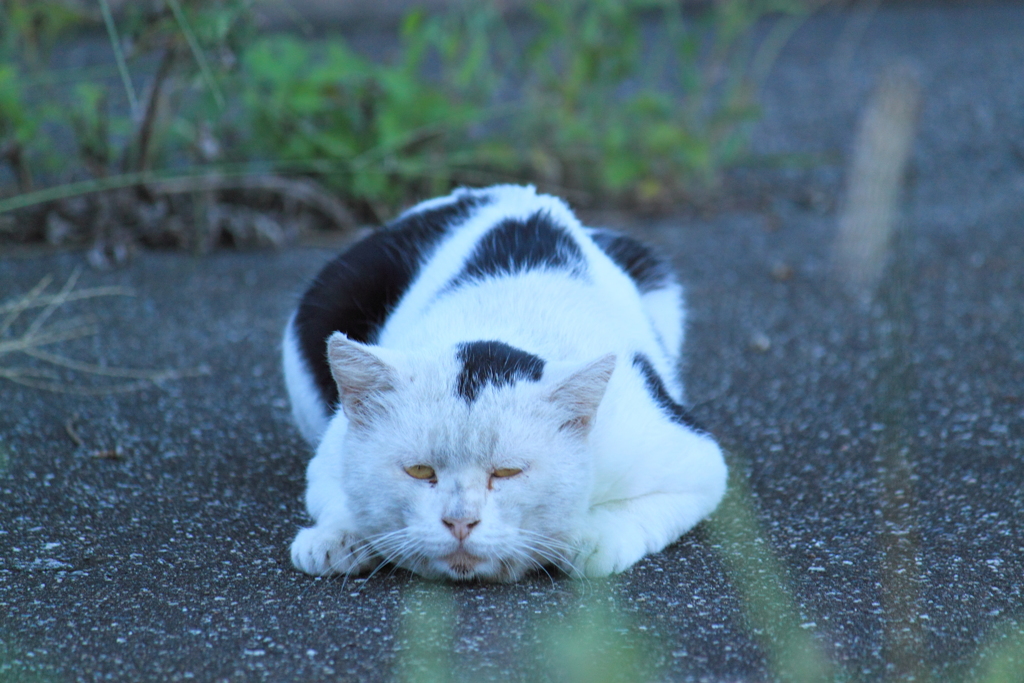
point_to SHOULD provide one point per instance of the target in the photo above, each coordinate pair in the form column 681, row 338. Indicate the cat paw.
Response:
column 606, row 551
column 322, row 552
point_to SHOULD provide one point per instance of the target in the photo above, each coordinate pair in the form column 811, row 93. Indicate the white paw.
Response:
column 606, row 548
column 321, row 552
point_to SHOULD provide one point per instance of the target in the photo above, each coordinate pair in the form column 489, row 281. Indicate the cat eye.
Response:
column 505, row 472
column 420, row 471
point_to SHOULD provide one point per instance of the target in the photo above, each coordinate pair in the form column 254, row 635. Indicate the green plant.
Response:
column 634, row 98
column 377, row 133
column 627, row 100
column 36, row 104
column 28, row 31
column 17, row 125
column 381, row 132
column 31, row 27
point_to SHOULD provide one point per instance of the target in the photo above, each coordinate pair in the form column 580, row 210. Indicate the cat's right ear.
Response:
column 363, row 379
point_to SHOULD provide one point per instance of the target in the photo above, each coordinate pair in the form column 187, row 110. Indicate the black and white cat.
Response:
column 493, row 388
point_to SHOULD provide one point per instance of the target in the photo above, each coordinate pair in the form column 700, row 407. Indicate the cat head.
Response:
column 471, row 465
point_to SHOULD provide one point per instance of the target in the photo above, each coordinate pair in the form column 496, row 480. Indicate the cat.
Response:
column 494, row 389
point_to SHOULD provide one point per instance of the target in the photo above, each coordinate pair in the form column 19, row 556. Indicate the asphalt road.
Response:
column 143, row 535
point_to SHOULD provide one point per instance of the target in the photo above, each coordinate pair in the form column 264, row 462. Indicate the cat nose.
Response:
column 460, row 528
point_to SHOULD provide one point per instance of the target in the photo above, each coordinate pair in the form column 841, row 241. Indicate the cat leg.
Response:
column 673, row 478
column 619, row 533
column 331, row 545
column 326, row 549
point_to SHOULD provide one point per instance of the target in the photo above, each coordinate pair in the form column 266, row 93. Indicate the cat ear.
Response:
column 362, row 378
column 580, row 394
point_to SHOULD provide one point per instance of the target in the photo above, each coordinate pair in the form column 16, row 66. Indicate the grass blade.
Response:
column 771, row 610
column 122, row 65
column 197, row 52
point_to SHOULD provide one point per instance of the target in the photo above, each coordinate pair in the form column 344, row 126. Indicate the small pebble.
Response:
column 760, row 342
column 781, row 272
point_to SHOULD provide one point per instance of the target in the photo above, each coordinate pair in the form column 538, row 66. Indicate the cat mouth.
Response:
column 461, row 562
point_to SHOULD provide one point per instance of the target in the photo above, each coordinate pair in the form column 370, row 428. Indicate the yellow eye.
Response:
column 420, row 471
column 505, row 472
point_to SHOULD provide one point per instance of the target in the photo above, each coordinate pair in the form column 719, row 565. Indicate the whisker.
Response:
column 527, row 558
column 545, row 537
column 550, row 549
column 540, row 565
column 397, row 557
column 377, row 545
column 399, row 546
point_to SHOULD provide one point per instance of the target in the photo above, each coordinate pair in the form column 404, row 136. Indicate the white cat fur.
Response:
column 590, row 502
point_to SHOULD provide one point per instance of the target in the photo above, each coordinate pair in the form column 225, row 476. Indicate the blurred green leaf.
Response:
column 627, row 99
column 15, row 120
column 1002, row 660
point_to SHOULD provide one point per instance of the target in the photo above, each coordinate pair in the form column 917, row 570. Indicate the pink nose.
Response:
column 460, row 528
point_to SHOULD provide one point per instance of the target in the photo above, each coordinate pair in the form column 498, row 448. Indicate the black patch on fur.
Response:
column 494, row 362
column 645, row 269
column 356, row 292
column 515, row 246
column 656, row 388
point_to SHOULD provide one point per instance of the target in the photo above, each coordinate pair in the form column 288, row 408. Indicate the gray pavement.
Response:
column 169, row 561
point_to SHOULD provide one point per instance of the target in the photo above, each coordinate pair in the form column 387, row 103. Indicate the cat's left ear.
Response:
column 580, row 394
column 363, row 378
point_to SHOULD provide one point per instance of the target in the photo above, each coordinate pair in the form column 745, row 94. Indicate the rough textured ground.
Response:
column 169, row 561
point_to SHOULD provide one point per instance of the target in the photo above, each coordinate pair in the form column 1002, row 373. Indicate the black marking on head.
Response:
column 645, row 269
column 656, row 388
column 496, row 363
column 356, row 292
column 515, row 246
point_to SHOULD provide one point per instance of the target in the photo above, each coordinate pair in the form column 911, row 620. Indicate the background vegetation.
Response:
column 203, row 130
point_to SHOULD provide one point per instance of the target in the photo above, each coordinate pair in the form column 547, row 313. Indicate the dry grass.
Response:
column 48, row 328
